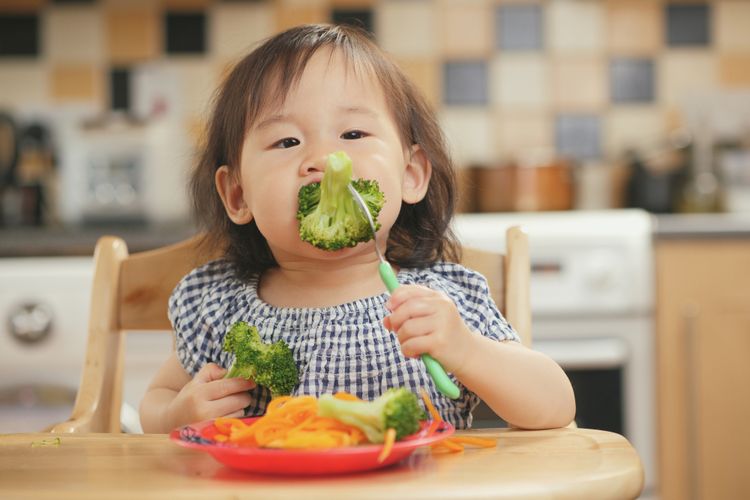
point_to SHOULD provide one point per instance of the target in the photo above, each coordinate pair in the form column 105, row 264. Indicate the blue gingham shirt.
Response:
column 340, row 348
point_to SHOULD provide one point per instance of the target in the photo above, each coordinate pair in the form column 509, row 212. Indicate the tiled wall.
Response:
column 585, row 78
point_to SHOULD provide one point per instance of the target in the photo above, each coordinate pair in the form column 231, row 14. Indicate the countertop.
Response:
column 68, row 241
column 81, row 240
column 702, row 226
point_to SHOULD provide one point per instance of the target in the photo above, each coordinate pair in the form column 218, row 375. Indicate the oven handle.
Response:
column 598, row 353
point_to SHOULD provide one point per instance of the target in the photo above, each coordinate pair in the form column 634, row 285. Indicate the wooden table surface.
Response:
column 559, row 463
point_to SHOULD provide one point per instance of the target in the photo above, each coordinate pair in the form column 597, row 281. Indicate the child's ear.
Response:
column 416, row 176
column 232, row 197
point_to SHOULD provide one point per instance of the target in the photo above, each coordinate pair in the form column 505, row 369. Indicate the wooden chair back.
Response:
column 130, row 292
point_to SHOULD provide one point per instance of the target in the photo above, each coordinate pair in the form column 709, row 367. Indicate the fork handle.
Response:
column 444, row 384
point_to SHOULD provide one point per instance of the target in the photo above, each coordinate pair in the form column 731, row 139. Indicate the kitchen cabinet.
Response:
column 703, row 354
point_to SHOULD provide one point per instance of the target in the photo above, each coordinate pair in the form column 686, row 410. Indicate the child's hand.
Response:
column 427, row 321
column 208, row 396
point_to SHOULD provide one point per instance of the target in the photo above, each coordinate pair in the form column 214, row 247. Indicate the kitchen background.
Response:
column 562, row 115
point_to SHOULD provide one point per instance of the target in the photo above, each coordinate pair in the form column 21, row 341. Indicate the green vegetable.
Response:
column 329, row 217
column 269, row 365
column 395, row 409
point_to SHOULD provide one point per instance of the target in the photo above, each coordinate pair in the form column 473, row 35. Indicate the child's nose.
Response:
column 316, row 164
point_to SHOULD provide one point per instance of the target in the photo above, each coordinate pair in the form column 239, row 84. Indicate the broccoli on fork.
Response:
column 329, row 216
column 269, row 365
column 396, row 409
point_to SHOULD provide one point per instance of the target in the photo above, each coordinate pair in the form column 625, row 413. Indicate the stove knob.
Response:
column 30, row 323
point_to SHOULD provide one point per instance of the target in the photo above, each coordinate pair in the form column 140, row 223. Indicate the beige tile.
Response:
column 519, row 81
column 575, row 26
column 197, row 79
column 732, row 25
column 21, row 5
column 466, row 28
column 639, row 127
column 353, row 3
column 23, row 83
column 185, row 4
column 83, row 82
column 235, row 28
column 520, row 134
column 425, row 74
column 133, row 34
column 634, row 27
column 469, row 134
column 407, row 28
column 579, row 83
column 734, row 70
column 74, row 34
column 682, row 74
column 290, row 13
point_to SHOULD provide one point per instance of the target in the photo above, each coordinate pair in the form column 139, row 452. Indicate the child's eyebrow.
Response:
column 358, row 110
column 271, row 120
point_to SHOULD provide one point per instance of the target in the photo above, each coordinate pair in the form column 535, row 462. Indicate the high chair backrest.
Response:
column 130, row 292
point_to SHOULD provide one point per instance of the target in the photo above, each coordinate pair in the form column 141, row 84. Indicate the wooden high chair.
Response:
column 130, row 292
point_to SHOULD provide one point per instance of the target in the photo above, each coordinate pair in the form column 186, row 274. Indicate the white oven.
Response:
column 44, row 309
column 592, row 302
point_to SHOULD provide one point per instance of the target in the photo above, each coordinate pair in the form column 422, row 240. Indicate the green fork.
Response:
column 444, row 384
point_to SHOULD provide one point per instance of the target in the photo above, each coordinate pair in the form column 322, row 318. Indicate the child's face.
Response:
column 331, row 109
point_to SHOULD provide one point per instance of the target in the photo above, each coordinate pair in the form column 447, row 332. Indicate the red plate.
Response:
column 303, row 462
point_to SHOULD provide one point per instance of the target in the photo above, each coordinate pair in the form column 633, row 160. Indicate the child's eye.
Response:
column 353, row 134
column 287, row 142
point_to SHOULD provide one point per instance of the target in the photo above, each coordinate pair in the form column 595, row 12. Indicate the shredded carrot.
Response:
column 390, row 438
column 452, row 444
column 290, row 422
column 476, row 441
column 430, row 407
column 346, row 396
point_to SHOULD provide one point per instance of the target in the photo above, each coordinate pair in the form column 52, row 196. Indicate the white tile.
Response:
column 576, row 26
column 519, row 81
column 732, row 25
column 407, row 28
column 639, row 127
column 469, row 132
column 235, row 28
column 683, row 74
column 73, row 34
column 23, row 84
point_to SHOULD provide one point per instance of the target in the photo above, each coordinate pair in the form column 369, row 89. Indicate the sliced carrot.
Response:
column 390, row 438
column 448, row 443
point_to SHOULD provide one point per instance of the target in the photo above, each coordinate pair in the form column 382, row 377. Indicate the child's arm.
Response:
column 174, row 399
column 524, row 387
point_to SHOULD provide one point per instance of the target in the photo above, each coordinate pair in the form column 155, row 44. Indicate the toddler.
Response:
column 304, row 93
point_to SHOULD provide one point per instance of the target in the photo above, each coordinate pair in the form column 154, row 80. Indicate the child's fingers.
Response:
column 405, row 293
column 414, row 308
column 229, row 405
column 222, row 388
column 209, row 372
column 416, row 346
column 416, row 327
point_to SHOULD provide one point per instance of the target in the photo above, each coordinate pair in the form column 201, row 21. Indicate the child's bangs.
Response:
column 285, row 71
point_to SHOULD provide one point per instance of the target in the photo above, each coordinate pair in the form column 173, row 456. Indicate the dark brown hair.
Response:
column 421, row 234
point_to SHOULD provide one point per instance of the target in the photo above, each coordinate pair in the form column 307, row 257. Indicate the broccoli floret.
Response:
column 395, row 409
column 329, row 216
column 269, row 365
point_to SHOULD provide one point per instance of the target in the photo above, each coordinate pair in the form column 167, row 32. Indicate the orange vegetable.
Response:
column 390, row 438
column 289, row 422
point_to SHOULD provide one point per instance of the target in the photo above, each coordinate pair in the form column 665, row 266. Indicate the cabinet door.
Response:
column 719, row 433
column 703, row 353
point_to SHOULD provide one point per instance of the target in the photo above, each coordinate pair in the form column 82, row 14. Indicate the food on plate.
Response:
column 269, row 365
column 329, row 217
column 396, row 409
